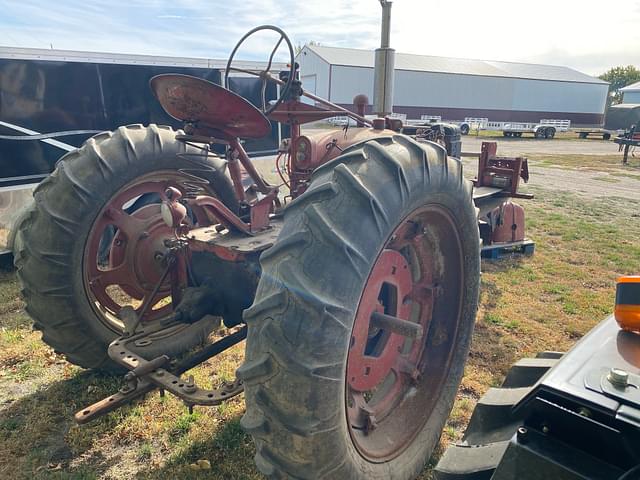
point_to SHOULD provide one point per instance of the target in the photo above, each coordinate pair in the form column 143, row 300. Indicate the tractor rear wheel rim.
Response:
column 393, row 381
column 123, row 259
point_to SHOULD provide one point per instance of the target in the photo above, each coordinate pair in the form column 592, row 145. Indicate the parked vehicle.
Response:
column 356, row 288
column 342, row 121
column 618, row 120
column 562, row 416
column 43, row 91
column 545, row 128
column 625, row 118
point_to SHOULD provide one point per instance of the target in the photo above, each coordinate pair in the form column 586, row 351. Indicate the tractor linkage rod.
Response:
column 396, row 325
column 144, row 383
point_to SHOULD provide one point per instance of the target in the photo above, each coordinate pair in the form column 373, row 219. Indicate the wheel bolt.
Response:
column 618, row 377
column 190, row 385
column 522, row 434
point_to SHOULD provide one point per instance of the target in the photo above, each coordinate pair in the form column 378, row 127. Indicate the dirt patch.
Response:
column 528, row 146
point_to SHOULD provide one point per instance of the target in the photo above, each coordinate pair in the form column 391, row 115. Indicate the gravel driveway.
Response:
column 582, row 182
column 528, row 146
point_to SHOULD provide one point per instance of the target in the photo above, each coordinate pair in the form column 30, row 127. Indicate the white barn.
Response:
column 631, row 93
column 456, row 88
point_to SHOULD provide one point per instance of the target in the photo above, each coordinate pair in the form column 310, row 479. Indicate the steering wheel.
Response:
column 264, row 74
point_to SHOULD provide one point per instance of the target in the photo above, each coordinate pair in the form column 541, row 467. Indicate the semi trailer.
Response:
column 80, row 94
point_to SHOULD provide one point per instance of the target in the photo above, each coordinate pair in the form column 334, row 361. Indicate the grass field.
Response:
column 543, row 302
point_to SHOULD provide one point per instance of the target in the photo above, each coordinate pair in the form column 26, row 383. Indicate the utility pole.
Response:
column 384, row 66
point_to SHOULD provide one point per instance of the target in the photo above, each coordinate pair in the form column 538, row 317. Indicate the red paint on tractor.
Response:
column 507, row 223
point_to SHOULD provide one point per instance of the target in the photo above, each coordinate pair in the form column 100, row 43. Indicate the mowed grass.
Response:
column 528, row 304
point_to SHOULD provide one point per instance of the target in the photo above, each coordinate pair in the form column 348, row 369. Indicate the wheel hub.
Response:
column 146, row 249
column 124, row 257
column 396, row 364
column 374, row 352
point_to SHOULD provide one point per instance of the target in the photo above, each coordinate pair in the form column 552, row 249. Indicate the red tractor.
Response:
column 355, row 287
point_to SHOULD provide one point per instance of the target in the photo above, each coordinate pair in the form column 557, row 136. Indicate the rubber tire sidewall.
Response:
column 291, row 443
column 68, row 321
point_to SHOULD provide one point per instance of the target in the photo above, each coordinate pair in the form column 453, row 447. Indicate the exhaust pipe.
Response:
column 384, row 66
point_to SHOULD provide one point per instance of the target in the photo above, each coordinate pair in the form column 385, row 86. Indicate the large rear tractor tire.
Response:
column 383, row 243
column 86, row 248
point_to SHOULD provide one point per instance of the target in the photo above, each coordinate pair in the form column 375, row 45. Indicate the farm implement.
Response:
column 354, row 282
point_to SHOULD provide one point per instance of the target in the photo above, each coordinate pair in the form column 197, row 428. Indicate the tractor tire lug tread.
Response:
column 302, row 316
column 50, row 240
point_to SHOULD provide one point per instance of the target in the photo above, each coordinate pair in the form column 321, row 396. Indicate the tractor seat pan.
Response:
column 209, row 107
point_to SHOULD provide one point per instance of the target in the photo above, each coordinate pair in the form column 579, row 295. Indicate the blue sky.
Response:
column 579, row 34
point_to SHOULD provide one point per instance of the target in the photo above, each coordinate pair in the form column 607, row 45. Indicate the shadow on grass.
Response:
column 229, row 450
column 34, row 430
column 40, row 440
column 6, row 263
column 493, row 349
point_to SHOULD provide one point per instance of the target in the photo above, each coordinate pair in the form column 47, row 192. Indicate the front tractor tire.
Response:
column 336, row 384
column 84, row 249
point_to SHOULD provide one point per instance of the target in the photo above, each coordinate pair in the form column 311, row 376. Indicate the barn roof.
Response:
column 634, row 87
column 463, row 66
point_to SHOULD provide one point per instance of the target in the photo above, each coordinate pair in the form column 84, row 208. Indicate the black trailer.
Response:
column 625, row 116
column 618, row 120
column 44, row 91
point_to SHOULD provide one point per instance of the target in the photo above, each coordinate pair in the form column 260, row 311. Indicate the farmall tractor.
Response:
column 355, row 287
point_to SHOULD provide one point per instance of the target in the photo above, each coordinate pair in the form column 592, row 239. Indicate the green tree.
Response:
column 619, row 77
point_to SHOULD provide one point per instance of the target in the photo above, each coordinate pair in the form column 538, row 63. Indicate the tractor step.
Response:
column 496, row 251
column 493, row 423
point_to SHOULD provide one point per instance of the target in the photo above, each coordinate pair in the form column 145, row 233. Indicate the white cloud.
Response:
column 581, row 34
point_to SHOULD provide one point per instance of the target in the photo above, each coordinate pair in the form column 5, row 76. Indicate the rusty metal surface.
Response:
column 326, row 145
column 260, row 211
column 500, row 172
column 133, row 260
column 222, row 213
column 209, row 107
column 395, row 366
column 146, row 375
column 112, row 402
column 300, row 113
column 206, row 239
column 250, row 169
column 507, row 222
column 185, row 389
